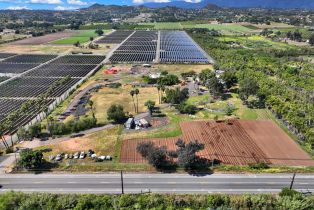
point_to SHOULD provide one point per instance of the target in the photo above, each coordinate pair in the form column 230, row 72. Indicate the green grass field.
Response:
column 168, row 25
column 82, row 37
column 257, row 42
column 225, row 29
column 163, row 25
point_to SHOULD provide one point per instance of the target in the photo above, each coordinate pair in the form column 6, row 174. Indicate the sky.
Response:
column 67, row 4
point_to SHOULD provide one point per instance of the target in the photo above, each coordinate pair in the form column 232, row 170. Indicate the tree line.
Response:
column 281, row 84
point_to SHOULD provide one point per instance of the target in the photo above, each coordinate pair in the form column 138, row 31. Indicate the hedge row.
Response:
column 12, row 200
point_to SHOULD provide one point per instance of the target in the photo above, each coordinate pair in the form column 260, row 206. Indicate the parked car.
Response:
column 51, row 157
column 90, row 152
column 93, row 156
column 77, row 135
column 76, row 155
column 66, row 156
column 58, row 157
column 44, row 138
column 108, row 157
column 82, row 155
column 70, row 156
column 102, row 157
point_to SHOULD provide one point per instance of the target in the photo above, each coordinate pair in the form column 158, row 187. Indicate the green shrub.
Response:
column 30, row 159
column 259, row 165
column 116, row 113
column 187, row 108
column 41, row 201
column 72, row 126
column 288, row 192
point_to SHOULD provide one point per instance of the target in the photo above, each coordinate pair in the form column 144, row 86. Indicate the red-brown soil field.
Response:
column 238, row 142
column 44, row 39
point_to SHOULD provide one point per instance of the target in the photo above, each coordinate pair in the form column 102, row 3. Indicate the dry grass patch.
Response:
column 102, row 142
column 180, row 68
column 105, row 97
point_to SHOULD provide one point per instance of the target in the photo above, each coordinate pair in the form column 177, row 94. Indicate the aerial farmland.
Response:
column 170, row 81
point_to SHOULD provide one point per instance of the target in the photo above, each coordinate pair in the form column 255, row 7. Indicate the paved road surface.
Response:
column 156, row 183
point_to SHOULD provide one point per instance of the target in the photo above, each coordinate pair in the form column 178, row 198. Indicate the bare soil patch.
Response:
column 239, row 142
column 44, row 39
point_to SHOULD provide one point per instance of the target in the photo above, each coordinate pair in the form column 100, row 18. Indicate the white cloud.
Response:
column 61, row 8
column 193, row 1
column 144, row 1
column 45, row 2
column 17, row 7
column 76, row 2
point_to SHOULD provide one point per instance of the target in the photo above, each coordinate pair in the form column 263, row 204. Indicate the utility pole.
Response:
column 122, row 187
column 292, row 181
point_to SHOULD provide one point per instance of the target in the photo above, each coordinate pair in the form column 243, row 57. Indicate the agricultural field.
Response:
column 81, row 36
column 226, row 29
column 236, row 142
column 112, row 142
column 94, row 26
column 306, row 33
column 231, row 138
column 255, row 41
column 168, row 26
column 11, row 37
column 163, row 25
column 44, row 39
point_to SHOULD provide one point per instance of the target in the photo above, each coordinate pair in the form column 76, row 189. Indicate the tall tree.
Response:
column 116, row 113
column 248, row 86
column 137, row 92
column 158, row 90
column 187, row 157
column 132, row 93
column 215, row 86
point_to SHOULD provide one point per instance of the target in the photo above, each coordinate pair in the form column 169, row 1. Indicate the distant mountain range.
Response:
column 284, row 4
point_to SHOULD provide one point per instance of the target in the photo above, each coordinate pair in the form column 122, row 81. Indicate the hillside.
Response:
column 302, row 4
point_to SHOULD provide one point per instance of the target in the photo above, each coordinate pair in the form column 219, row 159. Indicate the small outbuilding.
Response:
column 130, row 123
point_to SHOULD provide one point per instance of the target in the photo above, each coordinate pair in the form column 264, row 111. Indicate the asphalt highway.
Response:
column 155, row 183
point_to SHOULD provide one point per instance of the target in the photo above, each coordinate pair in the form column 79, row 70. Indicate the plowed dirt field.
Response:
column 238, row 142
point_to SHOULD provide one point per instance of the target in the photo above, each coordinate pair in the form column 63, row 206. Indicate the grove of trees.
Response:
column 162, row 158
column 30, row 159
column 276, row 77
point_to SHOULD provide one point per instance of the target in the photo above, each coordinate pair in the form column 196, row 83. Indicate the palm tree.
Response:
column 163, row 88
column 136, row 91
column 158, row 89
column 132, row 92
